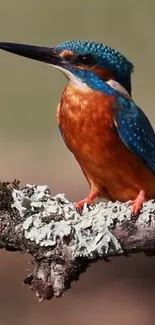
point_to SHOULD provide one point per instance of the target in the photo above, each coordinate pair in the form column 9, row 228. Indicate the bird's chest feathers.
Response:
column 85, row 119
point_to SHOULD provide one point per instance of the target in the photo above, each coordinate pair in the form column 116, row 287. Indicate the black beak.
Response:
column 48, row 55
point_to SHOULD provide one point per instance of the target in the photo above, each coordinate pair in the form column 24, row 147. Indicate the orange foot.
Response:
column 89, row 199
column 138, row 203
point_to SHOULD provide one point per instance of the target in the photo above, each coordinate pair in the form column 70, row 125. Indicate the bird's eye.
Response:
column 87, row 60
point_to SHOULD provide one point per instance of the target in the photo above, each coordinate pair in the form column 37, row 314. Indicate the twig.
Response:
column 64, row 242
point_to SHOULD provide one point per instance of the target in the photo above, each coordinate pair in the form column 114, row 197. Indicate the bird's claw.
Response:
column 89, row 200
column 137, row 205
column 79, row 210
column 80, row 205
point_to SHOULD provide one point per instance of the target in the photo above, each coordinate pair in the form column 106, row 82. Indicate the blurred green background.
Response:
column 119, row 292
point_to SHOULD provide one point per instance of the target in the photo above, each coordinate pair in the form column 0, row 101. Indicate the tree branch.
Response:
column 64, row 242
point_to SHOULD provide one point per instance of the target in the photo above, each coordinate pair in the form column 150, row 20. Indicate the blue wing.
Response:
column 135, row 130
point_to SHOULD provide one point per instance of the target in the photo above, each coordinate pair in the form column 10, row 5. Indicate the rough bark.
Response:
column 63, row 241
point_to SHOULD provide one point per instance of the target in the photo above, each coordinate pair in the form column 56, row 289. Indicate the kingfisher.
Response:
column 110, row 136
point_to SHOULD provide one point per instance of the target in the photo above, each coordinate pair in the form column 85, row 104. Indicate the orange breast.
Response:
column 86, row 122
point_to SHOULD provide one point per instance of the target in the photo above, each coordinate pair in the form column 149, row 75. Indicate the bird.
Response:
column 109, row 135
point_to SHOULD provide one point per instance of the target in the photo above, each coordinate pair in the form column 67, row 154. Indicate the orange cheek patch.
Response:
column 104, row 74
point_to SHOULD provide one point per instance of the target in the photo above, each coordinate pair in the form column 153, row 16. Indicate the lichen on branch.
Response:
column 62, row 241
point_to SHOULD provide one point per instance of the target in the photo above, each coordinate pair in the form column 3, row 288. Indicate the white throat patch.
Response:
column 73, row 79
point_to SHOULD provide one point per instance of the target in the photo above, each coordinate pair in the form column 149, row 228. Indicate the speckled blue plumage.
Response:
column 107, row 57
column 135, row 130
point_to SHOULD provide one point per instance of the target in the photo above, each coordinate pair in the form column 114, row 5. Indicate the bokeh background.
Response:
column 31, row 149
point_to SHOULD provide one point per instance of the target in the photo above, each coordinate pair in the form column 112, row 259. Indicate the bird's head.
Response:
column 83, row 62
